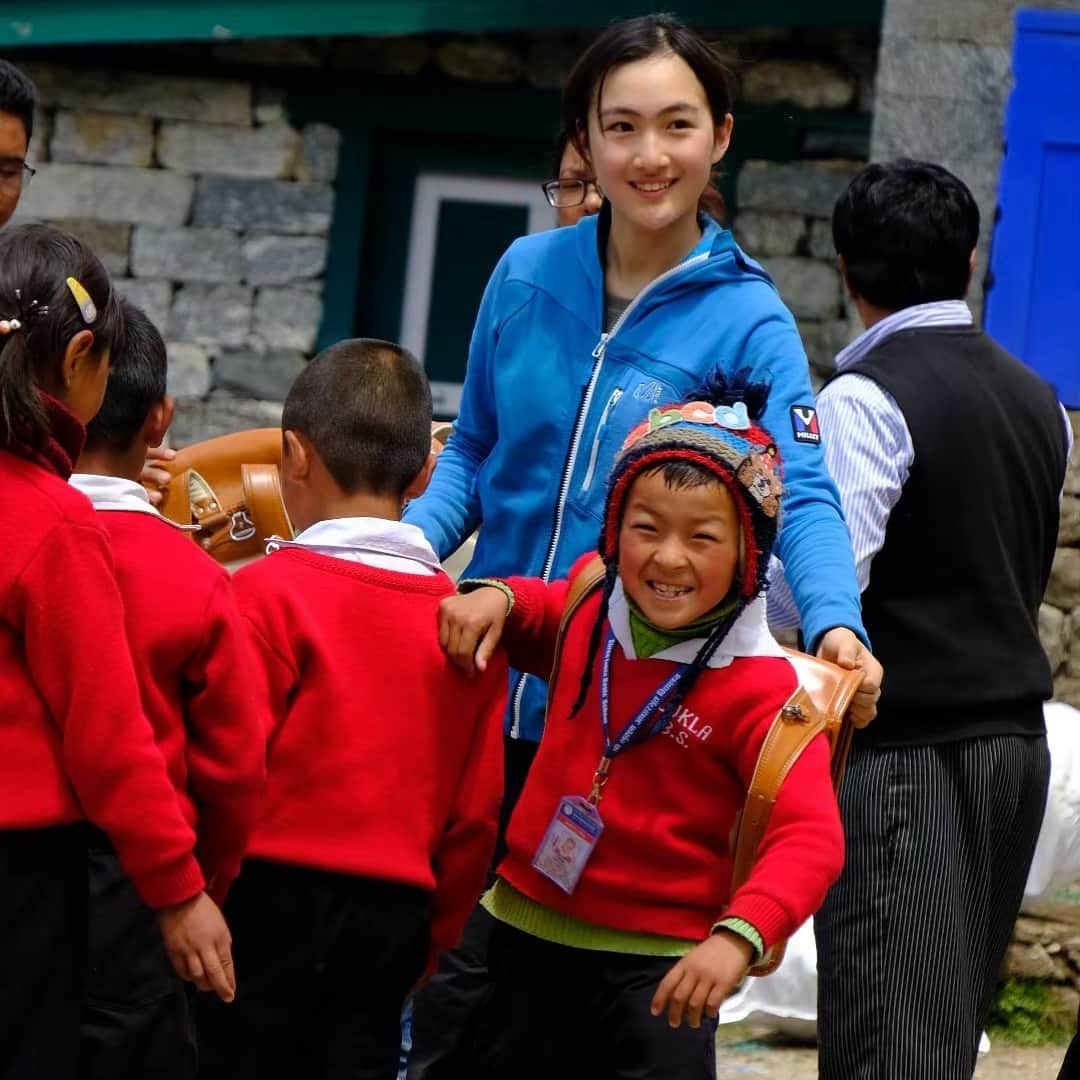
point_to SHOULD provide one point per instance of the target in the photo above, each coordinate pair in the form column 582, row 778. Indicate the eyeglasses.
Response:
column 560, row 193
column 14, row 172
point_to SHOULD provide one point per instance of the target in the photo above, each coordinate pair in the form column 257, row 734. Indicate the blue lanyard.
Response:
column 634, row 732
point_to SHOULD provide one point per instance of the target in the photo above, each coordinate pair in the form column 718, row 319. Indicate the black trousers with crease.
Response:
column 324, row 962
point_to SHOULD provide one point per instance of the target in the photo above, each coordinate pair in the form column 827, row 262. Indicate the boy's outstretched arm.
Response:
column 523, row 614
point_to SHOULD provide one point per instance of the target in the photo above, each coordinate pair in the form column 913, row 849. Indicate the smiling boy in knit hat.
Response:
column 612, row 904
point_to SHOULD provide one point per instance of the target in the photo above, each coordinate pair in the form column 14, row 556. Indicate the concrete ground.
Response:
column 746, row 1053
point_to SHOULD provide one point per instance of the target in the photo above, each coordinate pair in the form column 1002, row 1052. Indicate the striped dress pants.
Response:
column 910, row 939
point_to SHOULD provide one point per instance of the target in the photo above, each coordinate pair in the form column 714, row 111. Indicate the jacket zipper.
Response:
column 612, row 402
column 575, row 446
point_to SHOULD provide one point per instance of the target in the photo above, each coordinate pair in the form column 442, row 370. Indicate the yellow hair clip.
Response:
column 87, row 307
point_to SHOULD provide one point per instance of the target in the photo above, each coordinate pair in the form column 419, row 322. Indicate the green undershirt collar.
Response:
column 650, row 639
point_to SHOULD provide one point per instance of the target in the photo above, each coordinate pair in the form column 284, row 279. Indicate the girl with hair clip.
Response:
column 583, row 330
column 74, row 742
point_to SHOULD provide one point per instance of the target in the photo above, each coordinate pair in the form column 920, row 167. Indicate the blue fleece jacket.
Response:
column 549, row 398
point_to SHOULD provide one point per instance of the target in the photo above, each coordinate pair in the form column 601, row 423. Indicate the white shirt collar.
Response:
column 113, row 493
column 388, row 545
column 938, row 313
column 749, row 635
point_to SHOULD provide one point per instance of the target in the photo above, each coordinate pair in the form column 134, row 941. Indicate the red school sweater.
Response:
column 193, row 662
column 383, row 760
column 663, row 862
column 73, row 738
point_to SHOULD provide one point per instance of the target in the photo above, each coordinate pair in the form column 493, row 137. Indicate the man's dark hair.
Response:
column 365, row 405
column 137, row 373
column 906, row 231
column 18, row 95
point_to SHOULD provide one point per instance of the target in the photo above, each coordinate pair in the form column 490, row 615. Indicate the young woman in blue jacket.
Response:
column 582, row 330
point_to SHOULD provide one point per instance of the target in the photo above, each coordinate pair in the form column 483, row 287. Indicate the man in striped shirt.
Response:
column 950, row 458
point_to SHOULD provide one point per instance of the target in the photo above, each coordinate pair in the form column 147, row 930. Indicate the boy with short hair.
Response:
column 384, row 761
column 615, row 914
column 191, row 656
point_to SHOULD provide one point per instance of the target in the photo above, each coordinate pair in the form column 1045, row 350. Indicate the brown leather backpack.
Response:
column 230, row 489
column 819, row 704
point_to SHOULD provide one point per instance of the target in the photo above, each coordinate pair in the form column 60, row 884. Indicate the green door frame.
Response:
column 66, row 22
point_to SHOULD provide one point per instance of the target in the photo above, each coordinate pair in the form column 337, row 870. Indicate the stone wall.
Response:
column 211, row 211
column 784, row 221
column 1059, row 617
column 1046, row 947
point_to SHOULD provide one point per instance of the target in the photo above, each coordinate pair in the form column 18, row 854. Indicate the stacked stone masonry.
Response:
column 1046, row 947
column 1059, row 617
column 211, row 212
column 783, row 220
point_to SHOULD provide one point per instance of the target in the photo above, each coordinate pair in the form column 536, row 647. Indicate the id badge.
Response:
column 568, row 842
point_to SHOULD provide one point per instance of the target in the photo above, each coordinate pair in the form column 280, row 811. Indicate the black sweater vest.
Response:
column 953, row 599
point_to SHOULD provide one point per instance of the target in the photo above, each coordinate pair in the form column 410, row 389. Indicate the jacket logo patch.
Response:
column 804, row 424
column 648, row 391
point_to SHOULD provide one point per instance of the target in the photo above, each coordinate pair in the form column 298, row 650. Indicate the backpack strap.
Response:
column 590, row 579
column 818, row 706
column 265, row 502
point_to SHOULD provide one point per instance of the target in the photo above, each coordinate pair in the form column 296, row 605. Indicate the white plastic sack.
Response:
column 786, row 999
column 1057, row 854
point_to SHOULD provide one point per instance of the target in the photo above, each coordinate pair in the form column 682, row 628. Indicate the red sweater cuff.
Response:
column 771, row 920
column 170, row 884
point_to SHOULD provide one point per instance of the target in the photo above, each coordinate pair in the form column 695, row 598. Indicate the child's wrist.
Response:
column 746, row 932
column 472, row 584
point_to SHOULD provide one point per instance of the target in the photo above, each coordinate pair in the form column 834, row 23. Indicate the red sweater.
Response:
column 192, row 655
column 663, row 862
column 73, row 737
column 384, row 761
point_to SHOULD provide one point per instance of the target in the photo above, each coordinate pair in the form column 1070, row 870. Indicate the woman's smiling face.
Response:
column 653, row 140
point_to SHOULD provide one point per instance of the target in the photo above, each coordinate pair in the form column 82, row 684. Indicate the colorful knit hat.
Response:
column 725, row 440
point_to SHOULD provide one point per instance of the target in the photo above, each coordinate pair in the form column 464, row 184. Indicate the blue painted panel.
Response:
column 1033, row 308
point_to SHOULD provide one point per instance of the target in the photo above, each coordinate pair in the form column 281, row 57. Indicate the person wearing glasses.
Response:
column 573, row 192
column 18, row 97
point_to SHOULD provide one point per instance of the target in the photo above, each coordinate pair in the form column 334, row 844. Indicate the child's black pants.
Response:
column 554, row 1011
column 42, row 951
column 137, row 1022
column 324, row 962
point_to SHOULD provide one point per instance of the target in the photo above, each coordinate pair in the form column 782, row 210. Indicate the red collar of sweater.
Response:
column 59, row 450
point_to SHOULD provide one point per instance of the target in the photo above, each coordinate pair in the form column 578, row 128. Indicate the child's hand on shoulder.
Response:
column 470, row 627
column 199, row 945
column 703, row 978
